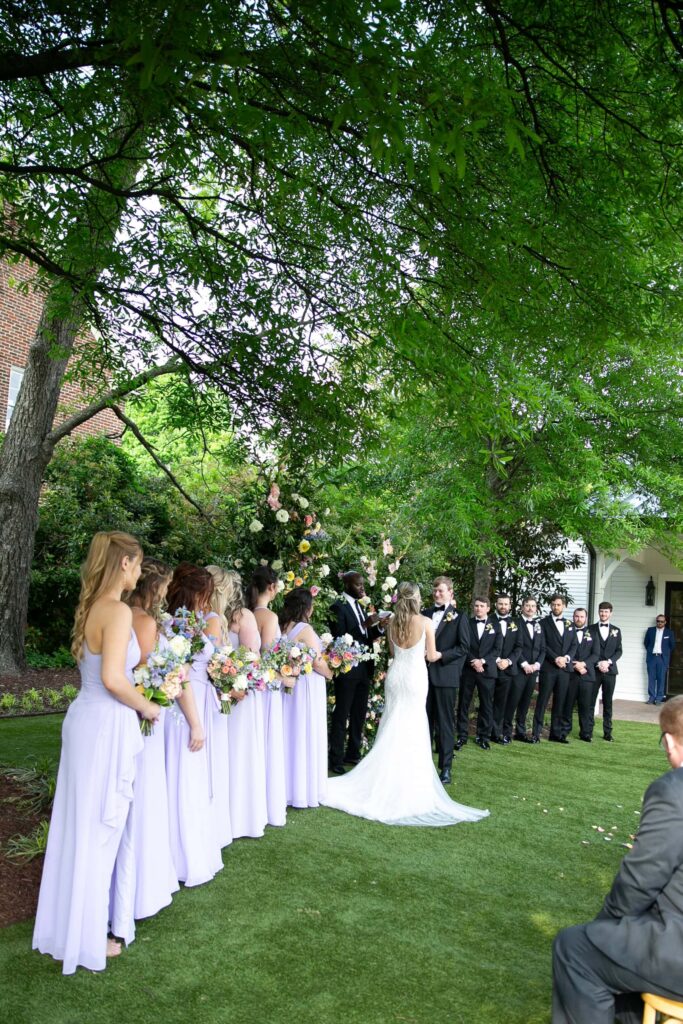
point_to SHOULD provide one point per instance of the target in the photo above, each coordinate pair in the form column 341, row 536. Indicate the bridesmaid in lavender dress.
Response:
column 100, row 741
column 305, row 711
column 144, row 876
column 195, row 842
column 246, row 747
column 260, row 592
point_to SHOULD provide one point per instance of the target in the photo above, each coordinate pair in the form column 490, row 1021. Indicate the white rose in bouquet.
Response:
column 347, row 638
column 180, row 647
column 141, row 676
column 295, row 652
column 240, row 682
column 325, row 639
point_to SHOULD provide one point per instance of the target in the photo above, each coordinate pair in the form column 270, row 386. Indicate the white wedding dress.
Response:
column 396, row 782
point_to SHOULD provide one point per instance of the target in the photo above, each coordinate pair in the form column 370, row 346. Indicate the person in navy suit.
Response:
column 659, row 643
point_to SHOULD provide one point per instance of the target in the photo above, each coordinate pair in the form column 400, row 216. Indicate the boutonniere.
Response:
column 614, row 632
column 451, row 616
column 512, row 627
column 537, row 628
column 587, row 636
column 489, row 627
column 568, row 624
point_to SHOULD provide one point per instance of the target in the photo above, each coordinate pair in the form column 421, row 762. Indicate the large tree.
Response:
column 243, row 191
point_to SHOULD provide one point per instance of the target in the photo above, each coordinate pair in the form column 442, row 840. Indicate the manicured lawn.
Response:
column 334, row 920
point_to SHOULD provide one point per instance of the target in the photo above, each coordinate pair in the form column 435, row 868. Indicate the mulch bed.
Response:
column 19, row 880
column 40, row 678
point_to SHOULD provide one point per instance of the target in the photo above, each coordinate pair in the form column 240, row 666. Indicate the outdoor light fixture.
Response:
column 650, row 592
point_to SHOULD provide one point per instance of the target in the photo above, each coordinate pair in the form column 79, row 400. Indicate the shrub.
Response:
column 32, row 700
column 8, row 702
column 52, row 698
column 37, row 781
column 69, row 692
column 61, row 658
column 27, row 847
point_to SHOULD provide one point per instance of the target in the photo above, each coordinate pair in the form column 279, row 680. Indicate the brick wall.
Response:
column 19, row 316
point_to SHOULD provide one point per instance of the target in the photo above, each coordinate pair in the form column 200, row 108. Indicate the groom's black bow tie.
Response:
column 439, row 607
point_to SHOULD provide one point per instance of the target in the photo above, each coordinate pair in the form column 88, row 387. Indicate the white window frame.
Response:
column 16, row 376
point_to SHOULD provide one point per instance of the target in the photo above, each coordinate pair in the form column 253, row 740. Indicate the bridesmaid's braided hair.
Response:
column 98, row 575
column 153, row 575
column 407, row 604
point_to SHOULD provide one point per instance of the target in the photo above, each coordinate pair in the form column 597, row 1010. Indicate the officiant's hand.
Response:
column 373, row 619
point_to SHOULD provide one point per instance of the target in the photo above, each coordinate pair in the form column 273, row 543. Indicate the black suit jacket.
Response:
column 589, row 651
column 641, row 923
column 610, row 649
column 533, row 650
column 557, row 645
column 488, row 648
column 343, row 620
column 452, row 639
column 511, row 647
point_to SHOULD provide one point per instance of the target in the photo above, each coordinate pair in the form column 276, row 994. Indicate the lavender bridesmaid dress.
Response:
column 216, row 725
column 144, row 876
column 246, row 752
column 100, row 742
column 305, row 731
column 195, row 843
column 273, row 732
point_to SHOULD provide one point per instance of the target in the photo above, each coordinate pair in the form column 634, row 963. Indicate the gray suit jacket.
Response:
column 641, row 923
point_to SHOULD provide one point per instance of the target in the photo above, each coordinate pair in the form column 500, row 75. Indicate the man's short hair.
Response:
column 446, row 580
column 582, row 610
column 527, row 598
column 671, row 717
column 503, row 594
column 558, row 597
column 605, row 604
column 484, row 600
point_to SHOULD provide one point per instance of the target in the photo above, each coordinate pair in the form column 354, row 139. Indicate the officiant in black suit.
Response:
column 452, row 635
column 560, row 645
column 351, row 689
column 479, row 672
column 634, row 944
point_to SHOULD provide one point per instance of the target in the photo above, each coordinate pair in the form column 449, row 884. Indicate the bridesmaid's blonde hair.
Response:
column 228, row 597
column 98, row 575
column 407, row 604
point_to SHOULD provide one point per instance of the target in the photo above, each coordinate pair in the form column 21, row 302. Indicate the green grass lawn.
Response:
column 335, row 920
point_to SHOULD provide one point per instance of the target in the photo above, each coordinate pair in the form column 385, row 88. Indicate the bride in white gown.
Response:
column 396, row 782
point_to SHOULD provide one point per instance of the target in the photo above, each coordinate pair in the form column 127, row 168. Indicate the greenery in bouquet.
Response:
column 162, row 678
column 342, row 653
column 234, row 672
column 288, row 659
column 187, row 625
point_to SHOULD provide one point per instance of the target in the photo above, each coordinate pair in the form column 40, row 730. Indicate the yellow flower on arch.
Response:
column 304, row 546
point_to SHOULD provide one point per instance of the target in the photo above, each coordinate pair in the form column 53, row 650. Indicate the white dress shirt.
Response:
column 659, row 634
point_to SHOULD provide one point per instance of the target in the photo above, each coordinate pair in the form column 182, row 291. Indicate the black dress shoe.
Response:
column 499, row 739
column 445, row 777
column 482, row 743
column 534, row 739
column 586, row 739
column 338, row 769
column 608, row 739
column 506, row 740
column 460, row 743
column 347, row 760
column 558, row 739
column 523, row 739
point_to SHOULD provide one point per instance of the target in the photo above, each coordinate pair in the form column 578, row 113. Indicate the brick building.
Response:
column 19, row 315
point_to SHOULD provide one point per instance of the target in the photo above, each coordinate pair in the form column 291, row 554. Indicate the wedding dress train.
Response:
column 396, row 782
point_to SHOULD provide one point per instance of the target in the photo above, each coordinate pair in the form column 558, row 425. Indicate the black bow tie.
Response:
column 481, row 620
column 530, row 622
column 439, row 607
column 560, row 619
column 504, row 618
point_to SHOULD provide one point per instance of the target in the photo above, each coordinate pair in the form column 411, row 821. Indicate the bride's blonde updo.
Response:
column 99, row 573
column 408, row 603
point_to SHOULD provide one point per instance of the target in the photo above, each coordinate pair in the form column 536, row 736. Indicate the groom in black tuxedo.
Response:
column 452, row 635
column 351, row 689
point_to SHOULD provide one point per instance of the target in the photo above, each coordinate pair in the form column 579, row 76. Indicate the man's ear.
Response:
column 669, row 743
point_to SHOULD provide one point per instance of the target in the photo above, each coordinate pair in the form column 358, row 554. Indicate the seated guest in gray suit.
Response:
column 634, row 944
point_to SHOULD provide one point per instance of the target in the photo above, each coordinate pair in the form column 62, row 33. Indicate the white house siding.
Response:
column 577, row 580
column 626, row 591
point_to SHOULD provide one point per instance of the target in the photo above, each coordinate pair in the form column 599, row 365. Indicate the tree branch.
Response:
column 135, row 430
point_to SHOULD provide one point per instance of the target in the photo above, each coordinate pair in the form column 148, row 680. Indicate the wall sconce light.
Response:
column 650, row 592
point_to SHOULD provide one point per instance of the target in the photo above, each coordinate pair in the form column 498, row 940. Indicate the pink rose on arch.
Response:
column 308, row 520
column 387, row 547
column 315, row 591
column 273, row 497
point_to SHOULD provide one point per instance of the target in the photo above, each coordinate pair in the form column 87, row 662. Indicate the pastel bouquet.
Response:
column 188, row 625
column 163, row 677
column 288, row 660
column 342, row 653
column 233, row 673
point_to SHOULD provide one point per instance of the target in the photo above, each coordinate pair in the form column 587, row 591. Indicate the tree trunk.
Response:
column 27, row 448
column 25, row 454
column 483, row 577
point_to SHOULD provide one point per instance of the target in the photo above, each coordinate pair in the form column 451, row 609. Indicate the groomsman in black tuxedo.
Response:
column 522, row 685
column 560, row 645
column 606, row 670
column 479, row 672
column 452, row 635
column 351, row 689
column 582, row 684
column 507, row 664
